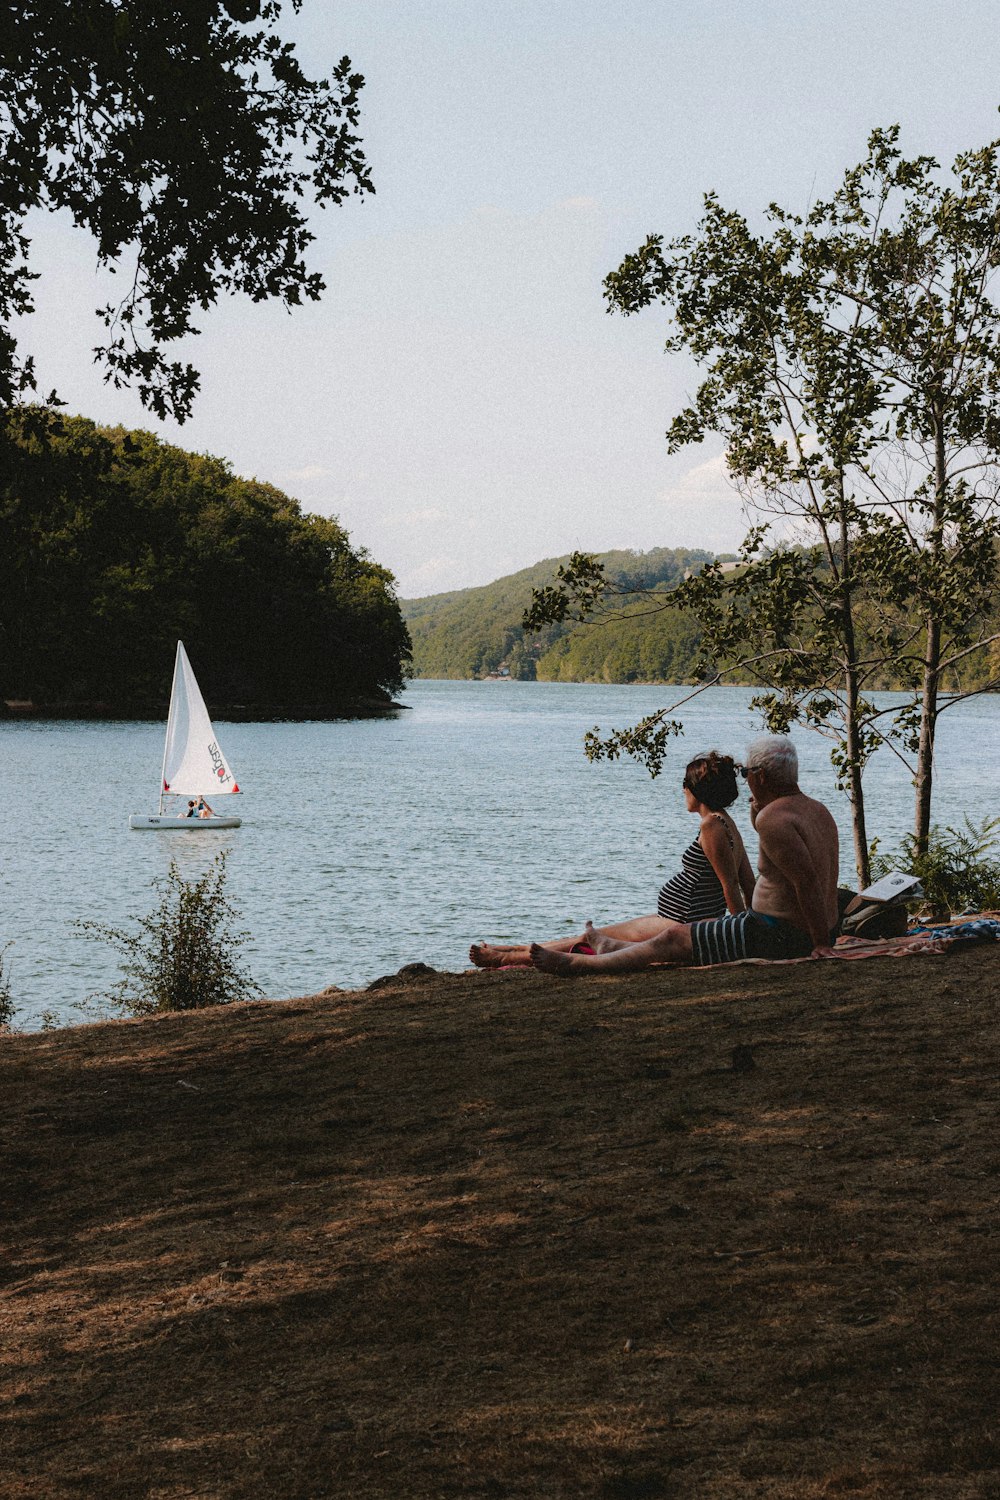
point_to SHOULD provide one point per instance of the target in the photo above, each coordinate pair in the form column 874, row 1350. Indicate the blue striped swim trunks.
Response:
column 748, row 934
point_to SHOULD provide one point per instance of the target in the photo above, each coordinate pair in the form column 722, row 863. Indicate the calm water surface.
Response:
column 369, row 844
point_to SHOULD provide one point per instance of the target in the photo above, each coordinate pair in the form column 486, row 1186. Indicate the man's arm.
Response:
column 786, row 849
column 747, row 878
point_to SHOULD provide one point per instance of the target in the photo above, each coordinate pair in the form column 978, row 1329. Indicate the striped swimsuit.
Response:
column 695, row 896
column 748, row 934
column 695, row 893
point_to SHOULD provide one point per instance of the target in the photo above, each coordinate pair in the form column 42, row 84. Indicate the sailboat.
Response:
column 193, row 765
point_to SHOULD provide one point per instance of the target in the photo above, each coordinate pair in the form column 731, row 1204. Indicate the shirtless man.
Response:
column 794, row 908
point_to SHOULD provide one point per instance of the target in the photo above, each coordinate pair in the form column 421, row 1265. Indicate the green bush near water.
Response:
column 184, row 955
column 6, row 998
column 960, row 870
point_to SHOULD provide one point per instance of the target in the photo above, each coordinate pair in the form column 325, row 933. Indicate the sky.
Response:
column 460, row 398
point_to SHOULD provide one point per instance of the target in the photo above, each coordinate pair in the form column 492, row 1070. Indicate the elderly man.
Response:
column 794, row 911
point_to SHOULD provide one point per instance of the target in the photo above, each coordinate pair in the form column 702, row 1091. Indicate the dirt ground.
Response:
column 702, row 1234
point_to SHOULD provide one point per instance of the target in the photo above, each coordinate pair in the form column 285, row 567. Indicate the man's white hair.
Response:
column 776, row 756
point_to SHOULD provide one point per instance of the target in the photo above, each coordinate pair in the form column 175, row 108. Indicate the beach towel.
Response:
column 918, row 940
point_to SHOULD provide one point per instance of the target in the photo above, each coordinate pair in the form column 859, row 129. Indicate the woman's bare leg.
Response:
column 492, row 955
column 499, row 955
column 601, row 939
column 619, row 934
column 670, row 946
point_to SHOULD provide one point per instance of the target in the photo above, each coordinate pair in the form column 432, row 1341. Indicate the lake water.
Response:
column 368, row 844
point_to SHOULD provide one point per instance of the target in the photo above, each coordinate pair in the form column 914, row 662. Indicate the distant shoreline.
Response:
column 653, row 682
column 21, row 710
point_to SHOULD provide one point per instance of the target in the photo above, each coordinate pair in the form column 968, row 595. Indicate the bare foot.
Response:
column 551, row 961
column 494, row 955
column 599, row 941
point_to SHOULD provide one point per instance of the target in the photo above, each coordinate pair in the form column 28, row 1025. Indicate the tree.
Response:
column 933, row 554
column 186, row 137
column 852, row 367
column 114, row 544
column 521, row 663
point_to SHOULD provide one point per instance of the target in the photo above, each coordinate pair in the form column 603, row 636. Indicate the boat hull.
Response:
column 185, row 825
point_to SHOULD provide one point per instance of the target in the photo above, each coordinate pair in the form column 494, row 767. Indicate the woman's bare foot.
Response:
column 599, row 941
column 552, row 961
column 495, row 955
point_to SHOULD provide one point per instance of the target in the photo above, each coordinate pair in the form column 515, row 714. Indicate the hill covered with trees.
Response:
column 114, row 545
column 475, row 632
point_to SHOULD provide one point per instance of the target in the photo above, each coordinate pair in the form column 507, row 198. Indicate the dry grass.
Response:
column 702, row 1235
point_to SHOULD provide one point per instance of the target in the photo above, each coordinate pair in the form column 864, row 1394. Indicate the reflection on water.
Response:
column 367, row 844
column 192, row 852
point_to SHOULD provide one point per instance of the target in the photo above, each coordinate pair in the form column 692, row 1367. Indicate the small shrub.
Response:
column 960, row 870
column 6, row 998
column 184, row 955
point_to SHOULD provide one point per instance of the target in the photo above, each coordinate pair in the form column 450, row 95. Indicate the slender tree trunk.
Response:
column 852, row 693
column 924, row 780
column 856, row 791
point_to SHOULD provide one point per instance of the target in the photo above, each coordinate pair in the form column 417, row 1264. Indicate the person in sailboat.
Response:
column 192, row 811
column 715, row 875
column 203, row 809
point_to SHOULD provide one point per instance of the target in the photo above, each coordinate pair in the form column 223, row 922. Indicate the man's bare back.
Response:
column 798, row 860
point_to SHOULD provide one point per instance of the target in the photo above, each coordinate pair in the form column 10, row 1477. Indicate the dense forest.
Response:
column 114, row 545
column 477, row 633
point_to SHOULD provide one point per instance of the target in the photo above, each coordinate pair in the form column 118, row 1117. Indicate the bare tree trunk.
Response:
column 924, row 780
column 853, row 734
column 856, row 791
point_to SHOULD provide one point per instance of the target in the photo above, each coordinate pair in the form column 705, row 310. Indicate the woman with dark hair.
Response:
column 715, row 874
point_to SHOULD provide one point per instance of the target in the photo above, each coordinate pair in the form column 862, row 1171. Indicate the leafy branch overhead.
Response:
column 187, row 139
column 579, row 587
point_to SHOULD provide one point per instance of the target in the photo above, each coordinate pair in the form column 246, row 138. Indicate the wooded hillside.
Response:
column 114, row 545
column 475, row 632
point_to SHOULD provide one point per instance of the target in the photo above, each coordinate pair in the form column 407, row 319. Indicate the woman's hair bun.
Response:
column 712, row 779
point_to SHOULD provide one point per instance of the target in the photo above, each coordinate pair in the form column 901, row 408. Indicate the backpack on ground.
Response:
column 879, row 911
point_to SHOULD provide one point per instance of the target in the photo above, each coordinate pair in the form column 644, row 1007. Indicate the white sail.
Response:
column 193, row 764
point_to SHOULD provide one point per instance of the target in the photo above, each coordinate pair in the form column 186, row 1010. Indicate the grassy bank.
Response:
column 690, row 1235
